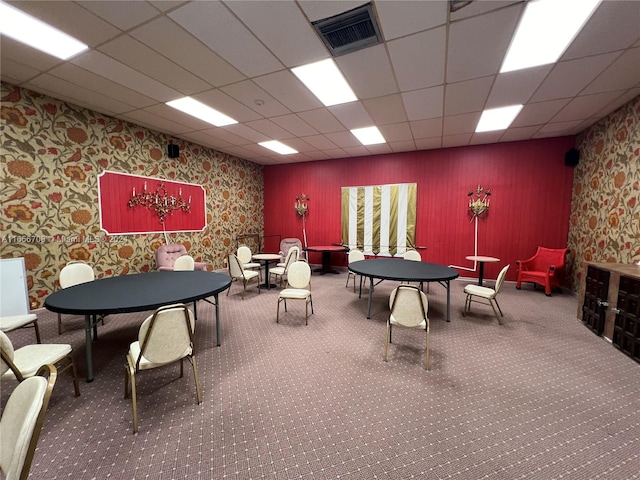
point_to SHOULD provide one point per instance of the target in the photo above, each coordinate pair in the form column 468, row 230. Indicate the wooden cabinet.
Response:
column 609, row 304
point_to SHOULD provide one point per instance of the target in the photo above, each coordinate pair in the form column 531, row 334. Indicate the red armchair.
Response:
column 545, row 268
column 166, row 256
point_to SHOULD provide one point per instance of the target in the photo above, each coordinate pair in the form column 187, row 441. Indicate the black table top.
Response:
column 399, row 269
column 137, row 292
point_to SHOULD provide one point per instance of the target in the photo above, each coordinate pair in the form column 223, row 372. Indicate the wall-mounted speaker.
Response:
column 572, row 157
column 173, row 150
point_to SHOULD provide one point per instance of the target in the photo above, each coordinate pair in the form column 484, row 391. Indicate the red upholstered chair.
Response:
column 167, row 255
column 545, row 268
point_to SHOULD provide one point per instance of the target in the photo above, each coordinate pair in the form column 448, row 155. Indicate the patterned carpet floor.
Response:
column 540, row 397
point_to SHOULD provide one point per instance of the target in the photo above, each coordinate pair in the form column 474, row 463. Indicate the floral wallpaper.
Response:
column 51, row 155
column 605, row 208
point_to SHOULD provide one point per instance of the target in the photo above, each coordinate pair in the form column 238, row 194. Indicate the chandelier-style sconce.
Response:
column 479, row 201
column 160, row 201
column 301, row 204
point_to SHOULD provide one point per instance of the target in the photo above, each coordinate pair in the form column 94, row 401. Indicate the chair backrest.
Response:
column 409, row 305
column 6, row 351
column 292, row 256
column 166, row 255
column 355, row 255
column 244, row 254
column 501, row 277
column 184, row 262
column 299, row 274
column 545, row 257
column 167, row 334
column 22, row 420
column 236, row 268
column 75, row 273
column 413, row 255
column 287, row 243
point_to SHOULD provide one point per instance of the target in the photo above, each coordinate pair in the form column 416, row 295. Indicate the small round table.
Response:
column 481, row 259
column 266, row 259
column 326, row 251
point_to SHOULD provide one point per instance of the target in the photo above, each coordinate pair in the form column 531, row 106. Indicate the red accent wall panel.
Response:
column 530, row 201
column 117, row 218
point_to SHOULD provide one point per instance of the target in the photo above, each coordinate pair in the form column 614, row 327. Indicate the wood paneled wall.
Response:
column 530, row 201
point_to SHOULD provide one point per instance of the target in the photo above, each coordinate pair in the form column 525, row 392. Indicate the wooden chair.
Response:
column 545, row 268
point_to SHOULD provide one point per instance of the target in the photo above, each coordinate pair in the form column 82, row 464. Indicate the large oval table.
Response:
column 138, row 292
column 404, row 270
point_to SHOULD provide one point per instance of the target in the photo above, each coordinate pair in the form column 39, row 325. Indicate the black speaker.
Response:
column 173, row 150
column 572, row 157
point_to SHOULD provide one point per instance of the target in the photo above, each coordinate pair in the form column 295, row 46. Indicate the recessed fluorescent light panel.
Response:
column 278, row 147
column 37, row 34
column 497, row 118
column 203, row 112
column 546, row 29
column 326, row 82
column 368, row 135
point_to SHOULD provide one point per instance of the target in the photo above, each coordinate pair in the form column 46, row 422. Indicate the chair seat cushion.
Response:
column 30, row 358
column 295, row 293
column 277, row 271
column 422, row 325
column 249, row 274
column 484, row 292
column 252, row 265
column 134, row 353
column 14, row 321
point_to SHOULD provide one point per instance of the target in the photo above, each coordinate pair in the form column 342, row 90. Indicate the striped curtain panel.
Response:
column 381, row 219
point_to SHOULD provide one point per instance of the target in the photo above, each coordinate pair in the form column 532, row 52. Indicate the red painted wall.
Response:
column 530, row 201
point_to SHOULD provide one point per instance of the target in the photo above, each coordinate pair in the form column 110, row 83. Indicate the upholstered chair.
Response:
column 166, row 255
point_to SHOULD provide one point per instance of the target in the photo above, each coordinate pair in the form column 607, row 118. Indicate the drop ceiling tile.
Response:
column 214, row 25
column 456, row 140
column 483, row 138
column 15, row 71
column 477, row 45
column 425, row 103
column 172, row 41
column 117, row 72
column 429, row 143
column 268, row 128
column 386, row 110
column 369, row 72
column 534, row 114
column 246, row 132
column 418, row 60
column 170, row 113
column 426, row 128
column 473, row 9
column 255, row 98
column 406, row 146
column 222, row 102
column 206, row 139
column 79, row 76
column 623, row 99
column 285, row 87
column 623, row 73
column 356, row 151
column 465, row 123
column 122, row 14
column 343, row 139
column 227, row 136
column 320, row 10
column 558, row 128
column 337, row 153
column 466, row 97
column 320, row 142
column 166, row 5
column 516, row 88
column 401, row 18
column 295, row 125
column 265, row 20
column 584, row 106
column 300, row 145
column 513, row 134
column 568, row 78
column 154, row 122
column 397, row 132
column 352, row 115
column 379, row 149
column 25, row 55
column 322, row 120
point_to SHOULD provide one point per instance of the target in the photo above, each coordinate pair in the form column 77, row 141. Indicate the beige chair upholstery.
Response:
column 409, row 307
column 355, row 255
column 285, row 245
column 27, row 360
column 298, row 288
column 488, row 294
column 292, row 256
column 414, row 256
column 166, row 255
column 238, row 273
column 13, row 322
column 164, row 337
column 184, row 262
column 245, row 255
column 22, row 420
column 74, row 273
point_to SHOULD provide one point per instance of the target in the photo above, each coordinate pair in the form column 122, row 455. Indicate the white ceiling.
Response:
column 425, row 87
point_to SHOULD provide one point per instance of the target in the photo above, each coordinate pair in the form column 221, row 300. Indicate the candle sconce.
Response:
column 479, row 201
column 301, row 204
column 160, row 201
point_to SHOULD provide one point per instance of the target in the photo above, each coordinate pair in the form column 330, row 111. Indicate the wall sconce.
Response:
column 160, row 201
column 301, row 204
column 479, row 201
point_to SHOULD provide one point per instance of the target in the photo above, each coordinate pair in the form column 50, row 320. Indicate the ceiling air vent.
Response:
column 349, row 31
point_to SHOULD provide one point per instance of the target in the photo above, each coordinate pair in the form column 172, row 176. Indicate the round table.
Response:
column 481, row 259
column 138, row 292
column 326, row 251
column 266, row 259
column 404, row 270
